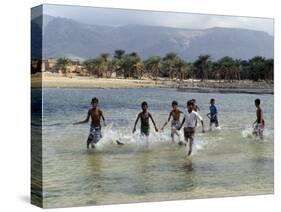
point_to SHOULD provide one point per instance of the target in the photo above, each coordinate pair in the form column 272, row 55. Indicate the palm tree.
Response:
column 117, row 62
column 181, row 69
column 216, row 71
column 119, row 53
column 139, row 69
column 168, row 64
column 153, row 65
column 171, row 65
column 269, row 69
column 94, row 66
column 229, row 68
column 238, row 68
column 257, row 67
column 128, row 64
column 106, row 64
column 89, row 65
column 99, row 66
column 202, row 65
column 61, row 64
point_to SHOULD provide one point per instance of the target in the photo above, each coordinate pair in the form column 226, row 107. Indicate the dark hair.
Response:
column 212, row 100
column 194, row 100
column 174, row 102
column 144, row 104
column 95, row 100
column 190, row 102
column 257, row 101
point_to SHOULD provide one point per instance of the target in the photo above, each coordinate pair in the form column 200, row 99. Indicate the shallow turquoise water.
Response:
column 226, row 162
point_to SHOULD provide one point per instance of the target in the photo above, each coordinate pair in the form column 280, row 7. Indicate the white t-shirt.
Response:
column 190, row 118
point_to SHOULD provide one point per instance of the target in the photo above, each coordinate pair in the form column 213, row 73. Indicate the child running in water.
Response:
column 213, row 115
column 259, row 122
column 144, row 116
column 95, row 130
column 189, row 122
column 195, row 108
column 175, row 123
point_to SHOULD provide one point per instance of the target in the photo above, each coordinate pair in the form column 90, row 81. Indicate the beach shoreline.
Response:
column 49, row 80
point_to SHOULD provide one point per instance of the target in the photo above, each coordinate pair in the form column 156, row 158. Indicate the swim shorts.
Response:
column 214, row 120
column 188, row 132
column 258, row 129
column 94, row 135
column 175, row 124
column 144, row 130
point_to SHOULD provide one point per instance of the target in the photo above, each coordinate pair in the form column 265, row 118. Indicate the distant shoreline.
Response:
column 242, row 86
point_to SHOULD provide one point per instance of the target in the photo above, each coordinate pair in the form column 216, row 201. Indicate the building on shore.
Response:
column 50, row 65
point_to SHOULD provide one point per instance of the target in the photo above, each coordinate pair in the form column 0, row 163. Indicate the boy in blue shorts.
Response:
column 213, row 115
column 95, row 130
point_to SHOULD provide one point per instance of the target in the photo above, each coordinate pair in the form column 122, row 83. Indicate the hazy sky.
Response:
column 117, row 17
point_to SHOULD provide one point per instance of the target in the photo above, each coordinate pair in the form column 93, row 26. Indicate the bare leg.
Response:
column 176, row 132
column 146, row 138
column 173, row 135
column 217, row 123
column 210, row 126
column 190, row 145
column 255, row 131
column 260, row 132
column 186, row 145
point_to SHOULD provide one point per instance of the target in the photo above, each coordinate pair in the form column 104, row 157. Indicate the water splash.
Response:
column 247, row 132
column 125, row 136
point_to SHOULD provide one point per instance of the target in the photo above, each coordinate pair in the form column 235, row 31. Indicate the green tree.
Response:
column 181, row 68
column 168, row 64
column 245, row 69
column 128, row 65
column 153, row 66
column 89, row 65
column 139, row 69
column 202, row 66
column 257, row 68
column 119, row 53
column 118, row 62
column 229, row 68
column 61, row 64
column 106, row 66
column 269, row 69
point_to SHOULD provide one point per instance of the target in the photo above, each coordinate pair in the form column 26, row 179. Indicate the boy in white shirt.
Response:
column 189, row 122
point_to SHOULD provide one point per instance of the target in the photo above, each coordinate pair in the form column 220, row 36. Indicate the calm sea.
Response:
column 225, row 162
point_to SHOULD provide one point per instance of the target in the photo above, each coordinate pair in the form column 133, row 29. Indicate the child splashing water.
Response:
column 258, row 124
column 189, row 122
column 95, row 130
column 196, row 109
column 213, row 115
column 175, row 123
column 144, row 116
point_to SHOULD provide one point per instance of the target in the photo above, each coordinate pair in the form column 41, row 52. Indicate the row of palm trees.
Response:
column 172, row 66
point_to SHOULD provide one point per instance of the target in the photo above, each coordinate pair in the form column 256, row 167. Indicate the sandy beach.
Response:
column 50, row 80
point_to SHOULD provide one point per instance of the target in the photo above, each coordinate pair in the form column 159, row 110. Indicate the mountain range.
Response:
column 64, row 37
